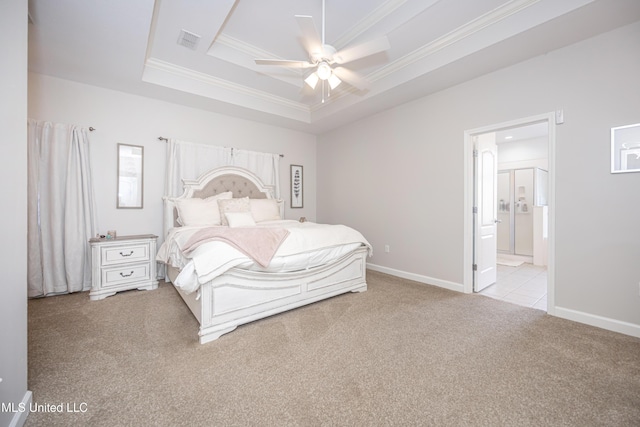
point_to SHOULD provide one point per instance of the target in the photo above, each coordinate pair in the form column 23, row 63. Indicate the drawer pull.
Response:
column 126, row 275
column 129, row 254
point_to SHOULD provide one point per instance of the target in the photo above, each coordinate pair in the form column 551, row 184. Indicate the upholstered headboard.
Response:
column 240, row 186
column 241, row 182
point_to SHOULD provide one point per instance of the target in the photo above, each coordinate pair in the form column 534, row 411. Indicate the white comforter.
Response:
column 308, row 245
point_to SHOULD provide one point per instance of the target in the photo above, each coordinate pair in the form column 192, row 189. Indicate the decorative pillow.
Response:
column 265, row 209
column 232, row 205
column 200, row 211
column 240, row 219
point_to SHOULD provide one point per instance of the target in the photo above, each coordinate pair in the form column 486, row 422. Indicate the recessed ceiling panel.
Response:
column 134, row 46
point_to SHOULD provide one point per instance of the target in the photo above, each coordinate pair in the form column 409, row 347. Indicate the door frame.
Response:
column 469, row 177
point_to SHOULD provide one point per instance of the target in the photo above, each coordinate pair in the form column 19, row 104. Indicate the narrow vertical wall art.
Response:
column 297, row 187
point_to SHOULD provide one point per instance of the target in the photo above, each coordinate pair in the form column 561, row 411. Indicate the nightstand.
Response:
column 123, row 263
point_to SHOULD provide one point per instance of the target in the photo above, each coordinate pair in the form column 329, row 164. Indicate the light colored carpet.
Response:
column 401, row 353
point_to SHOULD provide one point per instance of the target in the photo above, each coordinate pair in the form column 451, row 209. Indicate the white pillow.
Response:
column 200, row 212
column 240, row 219
column 232, row 205
column 265, row 209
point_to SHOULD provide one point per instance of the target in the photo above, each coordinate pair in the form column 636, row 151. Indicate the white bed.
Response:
column 222, row 298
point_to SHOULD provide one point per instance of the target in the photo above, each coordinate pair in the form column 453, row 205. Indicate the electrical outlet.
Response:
column 386, row 248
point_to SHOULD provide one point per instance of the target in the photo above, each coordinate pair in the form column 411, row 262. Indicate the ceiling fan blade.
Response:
column 352, row 78
column 311, row 38
column 361, row 50
column 284, row 63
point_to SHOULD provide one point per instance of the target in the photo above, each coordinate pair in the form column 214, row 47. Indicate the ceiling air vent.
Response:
column 188, row 39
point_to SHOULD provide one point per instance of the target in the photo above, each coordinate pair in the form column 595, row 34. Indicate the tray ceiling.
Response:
column 201, row 53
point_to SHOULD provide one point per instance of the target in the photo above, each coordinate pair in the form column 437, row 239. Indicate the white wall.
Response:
column 398, row 176
column 526, row 153
column 124, row 118
column 13, row 228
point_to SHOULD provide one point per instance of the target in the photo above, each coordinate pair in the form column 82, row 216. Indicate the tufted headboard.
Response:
column 242, row 182
column 240, row 186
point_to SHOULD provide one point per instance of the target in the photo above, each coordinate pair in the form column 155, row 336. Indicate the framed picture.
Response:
column 625, row 149
column 297, row 187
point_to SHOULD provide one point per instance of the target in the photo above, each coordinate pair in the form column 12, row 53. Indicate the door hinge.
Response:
column 475, row 209
column 475, row 153
column 475, row 267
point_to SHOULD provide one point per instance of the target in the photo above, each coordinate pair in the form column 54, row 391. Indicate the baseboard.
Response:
column 598, row 321
column 418, row 278
column 20, row 417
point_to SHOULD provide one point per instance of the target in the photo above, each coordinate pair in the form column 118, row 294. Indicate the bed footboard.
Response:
column 239, row 296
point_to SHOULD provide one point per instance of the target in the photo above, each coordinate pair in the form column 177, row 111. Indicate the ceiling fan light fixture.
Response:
column 323, row 57
column 312, row 80
column 334, row 81
column 324, row 71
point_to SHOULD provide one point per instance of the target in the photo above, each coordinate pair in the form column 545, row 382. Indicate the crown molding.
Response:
column 214, row 82
column 247, row 49
column 465, row 31
column 243, row 54
column 375, row 16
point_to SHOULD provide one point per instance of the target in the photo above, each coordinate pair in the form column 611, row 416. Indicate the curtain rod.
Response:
column 162, row 138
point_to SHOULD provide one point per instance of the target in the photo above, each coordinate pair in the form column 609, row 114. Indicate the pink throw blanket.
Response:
column 259, row 244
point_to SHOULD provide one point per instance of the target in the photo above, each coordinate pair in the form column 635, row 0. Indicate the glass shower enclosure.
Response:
column 519, row 192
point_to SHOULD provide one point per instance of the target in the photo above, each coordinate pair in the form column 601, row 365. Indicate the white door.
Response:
column 486, row 219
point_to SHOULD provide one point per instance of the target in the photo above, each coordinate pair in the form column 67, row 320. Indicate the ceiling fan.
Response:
column 325, row 60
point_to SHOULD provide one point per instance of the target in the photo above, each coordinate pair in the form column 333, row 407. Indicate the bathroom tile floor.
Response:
column 523, row 285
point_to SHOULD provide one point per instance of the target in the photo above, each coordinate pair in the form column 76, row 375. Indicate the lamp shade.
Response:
column 312, row 80
column 334, row 81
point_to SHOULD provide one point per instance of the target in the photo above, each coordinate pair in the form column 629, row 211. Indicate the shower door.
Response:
column 523, row 211
column 505, row 241
column 515, row 211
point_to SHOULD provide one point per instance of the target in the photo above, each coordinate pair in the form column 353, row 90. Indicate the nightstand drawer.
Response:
column 121, row 254
column 119, row 275
column 122, row 264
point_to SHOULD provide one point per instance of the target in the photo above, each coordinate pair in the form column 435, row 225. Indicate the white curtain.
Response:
column 186, row 160
column 61, row 209
column 265, row 165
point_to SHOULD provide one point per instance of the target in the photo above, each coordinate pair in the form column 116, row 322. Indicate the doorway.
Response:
column 488, row 208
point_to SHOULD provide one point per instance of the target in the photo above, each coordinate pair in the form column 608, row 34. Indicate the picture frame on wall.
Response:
column 297, row 187
column 625, row 149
